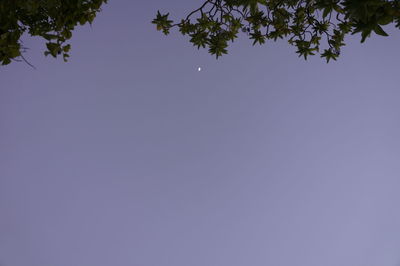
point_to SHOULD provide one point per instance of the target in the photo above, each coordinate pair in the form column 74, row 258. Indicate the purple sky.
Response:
column 127, row 155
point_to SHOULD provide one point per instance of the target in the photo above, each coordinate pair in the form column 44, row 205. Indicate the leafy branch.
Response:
column 312, row 26
column 52, row 20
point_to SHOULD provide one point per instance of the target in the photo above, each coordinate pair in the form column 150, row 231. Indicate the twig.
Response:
column 26, row 61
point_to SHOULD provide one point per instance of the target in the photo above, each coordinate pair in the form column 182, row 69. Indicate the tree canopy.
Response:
column 312, row 26
column 53, row 20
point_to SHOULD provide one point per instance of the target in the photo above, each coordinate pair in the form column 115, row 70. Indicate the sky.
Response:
column 128, row 155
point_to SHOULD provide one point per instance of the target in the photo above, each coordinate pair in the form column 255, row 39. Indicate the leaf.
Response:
column 365, row 34
column 257, row 37
column 66, row 48
column 385, row 20
column 327, row 11
column 50, row 36
column 378, row 30
column 328, row 54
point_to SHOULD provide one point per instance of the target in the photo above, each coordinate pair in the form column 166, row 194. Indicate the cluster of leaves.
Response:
column 312, row 26
column 53, row 20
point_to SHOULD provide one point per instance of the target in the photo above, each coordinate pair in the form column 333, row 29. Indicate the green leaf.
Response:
column 327, row 11
column 385, row 20
column 365, row 34
column 66, row 48
column 378, row 30
column 257, row 37
column 328, row 54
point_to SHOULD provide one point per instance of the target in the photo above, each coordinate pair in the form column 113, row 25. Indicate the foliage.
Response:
column 53, row 20
column 306, row 24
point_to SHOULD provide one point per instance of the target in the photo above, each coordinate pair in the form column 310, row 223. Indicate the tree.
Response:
column 312, row 26
column 53, row 20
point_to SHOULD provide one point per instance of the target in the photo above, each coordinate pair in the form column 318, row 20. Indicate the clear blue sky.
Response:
column 127, row 155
